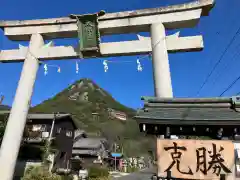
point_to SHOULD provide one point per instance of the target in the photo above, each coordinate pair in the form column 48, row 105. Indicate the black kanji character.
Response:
column 176, row 156
column 216, row 162
column 201, row 160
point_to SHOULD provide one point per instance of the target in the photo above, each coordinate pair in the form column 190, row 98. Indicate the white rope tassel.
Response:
column 105, row 65
column 139, row 66
column 77, row 67
column 45, row 69
column 59, row 70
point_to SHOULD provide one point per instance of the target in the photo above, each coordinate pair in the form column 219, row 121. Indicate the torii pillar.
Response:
column 19, row 110
column 161, row 72
column 161, row 69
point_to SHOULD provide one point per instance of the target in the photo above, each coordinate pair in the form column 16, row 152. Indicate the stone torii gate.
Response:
column 90, row 28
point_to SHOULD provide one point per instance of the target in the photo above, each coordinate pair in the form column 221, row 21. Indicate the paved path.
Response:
column 116, row 174
column 142, row 175
column 145, row 174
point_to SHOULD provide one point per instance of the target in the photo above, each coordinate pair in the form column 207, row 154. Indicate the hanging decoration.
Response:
column 139, row 66
column 77, row 67
column 59, row 70
column 105, row 65
column 45, row 69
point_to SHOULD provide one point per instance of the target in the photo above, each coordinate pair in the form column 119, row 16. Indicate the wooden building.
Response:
column 114, row 114
column 90, row 150
column 59, row 128
column 214, row 117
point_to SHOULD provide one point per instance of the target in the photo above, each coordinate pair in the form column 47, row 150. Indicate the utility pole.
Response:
column 115, row 158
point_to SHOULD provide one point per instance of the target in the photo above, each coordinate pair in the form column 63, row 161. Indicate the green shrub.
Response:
column 100, row 178
column 67, row 177
column 39, row 173
column 98, row 172
column 132, row 169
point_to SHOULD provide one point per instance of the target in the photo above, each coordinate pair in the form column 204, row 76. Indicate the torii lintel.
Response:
column 176, row 16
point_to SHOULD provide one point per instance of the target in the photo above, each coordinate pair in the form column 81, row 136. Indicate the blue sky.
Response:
column 188, row 70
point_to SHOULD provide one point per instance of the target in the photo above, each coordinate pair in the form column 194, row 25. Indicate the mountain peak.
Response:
column 84, row 83
column 94, row 110
column 85, row 93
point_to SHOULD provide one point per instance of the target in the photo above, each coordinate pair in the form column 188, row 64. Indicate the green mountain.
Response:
column 85, row 97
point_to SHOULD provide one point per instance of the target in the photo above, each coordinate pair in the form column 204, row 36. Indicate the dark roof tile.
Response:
column 190, row 109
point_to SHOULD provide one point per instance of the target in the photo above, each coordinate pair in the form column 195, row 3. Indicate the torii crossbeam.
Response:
column 90, row 28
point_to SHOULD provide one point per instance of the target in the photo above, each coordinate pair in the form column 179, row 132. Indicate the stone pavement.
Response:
column 145, row 174
column 116, row 174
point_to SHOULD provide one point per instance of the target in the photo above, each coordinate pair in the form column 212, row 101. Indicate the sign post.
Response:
column 196, row 159
column 115, row 155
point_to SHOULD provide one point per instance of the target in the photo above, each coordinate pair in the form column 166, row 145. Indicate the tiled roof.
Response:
column 36, row 116
column 88, row 143
column 184, row 110
column 79, row 133
column 83, row 152
column 41, row 115
column 47, row 116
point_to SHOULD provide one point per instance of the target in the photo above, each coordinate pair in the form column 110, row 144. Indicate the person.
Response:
column 120, row 164
column 149, row 162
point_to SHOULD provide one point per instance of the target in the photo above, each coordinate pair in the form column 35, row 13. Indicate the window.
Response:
column 39, row 127
column 36, row 127
column 44, row 127
column 69, row 133
column 45, row 134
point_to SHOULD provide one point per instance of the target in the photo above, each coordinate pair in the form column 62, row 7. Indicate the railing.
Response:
column 35, row 136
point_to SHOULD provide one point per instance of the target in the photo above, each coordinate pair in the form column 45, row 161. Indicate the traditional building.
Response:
column 213, row 117
column 114, row 114
column 57, row 128
column 90, row 150
column 95, row 116
column 217, row 118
